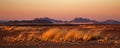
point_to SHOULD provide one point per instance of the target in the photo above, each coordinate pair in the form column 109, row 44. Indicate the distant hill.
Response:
column 47, row 20
column 35, row 21
column 83, row 20
column 88, row 21
column 2, row 21
column 110, row 22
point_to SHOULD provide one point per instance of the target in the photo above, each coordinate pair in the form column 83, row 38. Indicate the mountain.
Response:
column 44, row 20
column 110, row 22
column 47, row 20
column 54, row 21
column 35, row 21
column 2, row 21
column 83, row 21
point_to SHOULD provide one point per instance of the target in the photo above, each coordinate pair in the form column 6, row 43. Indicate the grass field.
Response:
column 60, row 36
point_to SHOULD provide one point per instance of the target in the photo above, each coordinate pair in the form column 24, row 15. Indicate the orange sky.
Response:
column 59, row 9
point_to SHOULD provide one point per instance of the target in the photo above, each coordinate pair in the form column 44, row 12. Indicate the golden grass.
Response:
column 59, row 35
column 56, row 34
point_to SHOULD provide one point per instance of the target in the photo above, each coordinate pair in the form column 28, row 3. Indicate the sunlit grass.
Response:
column 58, row 35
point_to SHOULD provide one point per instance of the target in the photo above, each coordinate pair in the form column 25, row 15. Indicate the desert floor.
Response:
column 60, row 36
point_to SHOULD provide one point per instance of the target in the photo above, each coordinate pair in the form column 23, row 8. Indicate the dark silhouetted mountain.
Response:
column 110, row 22
column 39, row 21
column 83, row 20
column 2, row 22
column 47, row 20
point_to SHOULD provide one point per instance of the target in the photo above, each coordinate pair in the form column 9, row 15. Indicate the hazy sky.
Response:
column 59, row 9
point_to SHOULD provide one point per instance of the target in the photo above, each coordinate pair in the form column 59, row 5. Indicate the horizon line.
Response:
column 58, row 19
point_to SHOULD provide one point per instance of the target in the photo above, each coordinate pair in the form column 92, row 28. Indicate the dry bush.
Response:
column 73, row 34
column 59, row 35
column 23, row 36
column 8, row 28
column 48, row 35
column 56, row 34
column 10, row 39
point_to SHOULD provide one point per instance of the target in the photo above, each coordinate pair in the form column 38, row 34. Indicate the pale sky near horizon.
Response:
column 99, row 10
